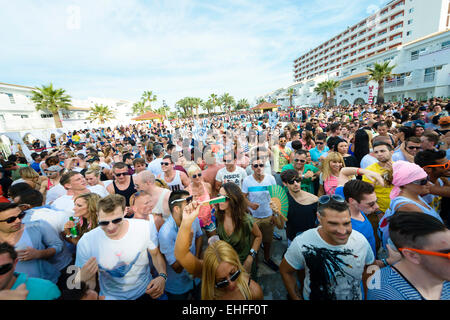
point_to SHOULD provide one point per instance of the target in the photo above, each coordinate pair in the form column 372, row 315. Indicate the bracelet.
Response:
column 163, row 275
column 357, row 172
column 385, row 262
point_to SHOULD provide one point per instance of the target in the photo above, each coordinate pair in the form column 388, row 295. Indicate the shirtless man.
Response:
column 159, row 197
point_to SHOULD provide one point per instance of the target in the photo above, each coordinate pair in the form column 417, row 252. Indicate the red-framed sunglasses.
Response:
column 445, row 165
column 429, row 253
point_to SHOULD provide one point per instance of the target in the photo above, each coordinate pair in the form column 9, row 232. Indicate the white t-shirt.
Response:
column 54, row 193
column 66, row 203
column 155, row 166
column 124, row 271
column 237, row 176
column 336, row 270
column 261, row 197
column 99, row 189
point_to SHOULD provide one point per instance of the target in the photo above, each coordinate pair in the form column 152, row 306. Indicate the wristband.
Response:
column 163, row 275
column 385, row 262
column 253, row 253
column 357, row 172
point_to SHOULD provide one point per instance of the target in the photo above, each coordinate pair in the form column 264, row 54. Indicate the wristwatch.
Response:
column 253, row 253
column 163, row 275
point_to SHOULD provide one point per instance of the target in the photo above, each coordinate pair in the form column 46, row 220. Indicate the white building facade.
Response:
column 412, row 34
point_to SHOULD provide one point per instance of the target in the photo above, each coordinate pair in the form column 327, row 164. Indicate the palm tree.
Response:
column 274, row 101
column 208, row 105
column 149, row 97
column 140, row 108
column 331, row 86
column 227, row 101
column 291, row 93
column 215, row 100
column 242, row 104
column 380, row 73
column 196, row 102
column 261, row 100
column 321, row 89
column 51, row 100
column 164, row 110
column 101, row 113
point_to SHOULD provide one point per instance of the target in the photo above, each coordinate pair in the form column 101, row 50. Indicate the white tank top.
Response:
column 176, row 182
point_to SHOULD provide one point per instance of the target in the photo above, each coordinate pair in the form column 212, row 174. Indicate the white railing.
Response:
column 394, row 83
column 429, row 77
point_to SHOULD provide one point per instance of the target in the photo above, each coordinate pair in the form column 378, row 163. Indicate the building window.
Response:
column 410, row 21
column 445, row 45
column 411, row 10
column 408, row 33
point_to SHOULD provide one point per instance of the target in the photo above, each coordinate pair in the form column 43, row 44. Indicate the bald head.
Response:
column 144, row 180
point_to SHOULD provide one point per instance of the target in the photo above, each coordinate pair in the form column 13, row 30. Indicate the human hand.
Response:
column 20, row 293
column 274, row 207
column 375, row 177
column 253, row 205
column 190, row 212
column 156, row 287
column 308, row 174
column 69, row 225
column 393, row 255
column 89, row 270
column 28, row 254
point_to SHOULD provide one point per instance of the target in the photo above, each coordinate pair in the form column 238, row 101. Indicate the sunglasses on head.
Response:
column 421, row 182
column 196, row 175
column 300, row 160
column 12, row 219
column 445, row 165
column 326, row 198
column 105, row 223
column 5, row 268
column 121, row 174
column 298, row 180
column 187, row 199
column 256, row 165
column 165, row 163
column 226, row 283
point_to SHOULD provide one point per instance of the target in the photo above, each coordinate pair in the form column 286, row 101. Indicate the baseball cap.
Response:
column 93, row 159
column 55, row 168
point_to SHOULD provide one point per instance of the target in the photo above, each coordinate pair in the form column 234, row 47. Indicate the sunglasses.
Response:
column 445, row 165
column 445, row 254
column 326, row 198
column 5, row 268
column 122, row 174
column 105, row 223
column 226, row 283
column 319, row 142
column 196, row 175
column 413, row 147
column 12, row 219
column 261, row 165
column 421, row 182
column 165, row 163
column 300, row 160
column 187, row 199
column 298, row 180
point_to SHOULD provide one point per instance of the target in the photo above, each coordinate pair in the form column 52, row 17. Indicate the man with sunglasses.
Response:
column 307, row 172
column 230, row 173
column 320, row 149
column 437, row 167
column 118, row 249
column 10, row 279
column 36, row 242
column 180, row 285
column 123, row 184
column 175, row 179
column 255, row 189
column 332, row 257
column 423, row 273
column 412, row 146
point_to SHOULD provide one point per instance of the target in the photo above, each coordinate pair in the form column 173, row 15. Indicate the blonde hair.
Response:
column 94, row 169
column 326, row 169
column 192, row 169
column 221, row 251
column 28, row 173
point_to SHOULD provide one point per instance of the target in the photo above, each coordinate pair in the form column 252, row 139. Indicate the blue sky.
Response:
column 118, row 49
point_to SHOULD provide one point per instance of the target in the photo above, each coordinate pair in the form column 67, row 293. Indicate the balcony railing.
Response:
column 394, row 83
column 429, row 77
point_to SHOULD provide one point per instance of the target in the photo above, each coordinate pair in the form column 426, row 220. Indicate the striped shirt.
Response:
column 388, row 284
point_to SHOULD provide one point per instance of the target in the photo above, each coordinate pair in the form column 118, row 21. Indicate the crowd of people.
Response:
column 181, row 210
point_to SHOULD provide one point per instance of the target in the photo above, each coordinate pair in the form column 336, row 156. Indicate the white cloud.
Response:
column 174, row 48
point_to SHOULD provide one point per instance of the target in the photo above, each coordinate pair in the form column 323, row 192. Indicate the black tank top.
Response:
column 300, row 217
column 127, row 193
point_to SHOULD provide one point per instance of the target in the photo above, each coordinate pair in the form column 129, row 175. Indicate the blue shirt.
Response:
column 35, row 166
column 390, row 285
column 177, row 283
column 365, row 227
column 315, row 154
column 38, row 289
